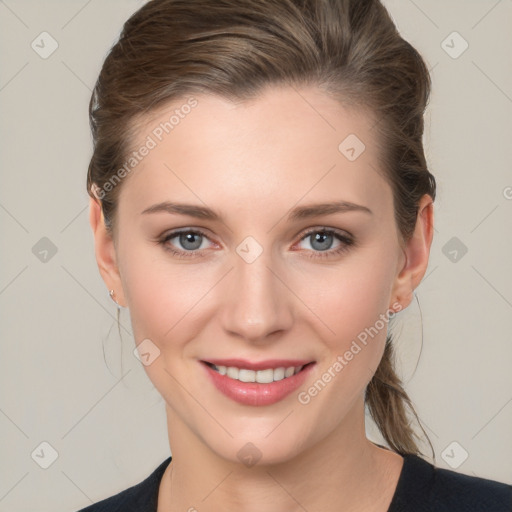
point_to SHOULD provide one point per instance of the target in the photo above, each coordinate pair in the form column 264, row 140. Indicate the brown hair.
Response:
column 351, row 49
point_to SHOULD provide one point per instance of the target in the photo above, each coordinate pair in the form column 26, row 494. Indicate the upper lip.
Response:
column 258, row 365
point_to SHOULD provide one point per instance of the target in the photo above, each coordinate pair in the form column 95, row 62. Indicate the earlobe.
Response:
column 105, row 251
column 416, row 254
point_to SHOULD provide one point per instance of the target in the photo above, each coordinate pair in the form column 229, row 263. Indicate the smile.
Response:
column 257, row 384
column 265, row 376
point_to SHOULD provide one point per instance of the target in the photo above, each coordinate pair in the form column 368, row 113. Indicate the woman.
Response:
column 260, row 201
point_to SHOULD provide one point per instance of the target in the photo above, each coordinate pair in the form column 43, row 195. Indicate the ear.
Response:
column 105, row 251
column 416, row 253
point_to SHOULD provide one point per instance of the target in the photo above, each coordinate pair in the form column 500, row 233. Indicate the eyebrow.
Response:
column 298, row 213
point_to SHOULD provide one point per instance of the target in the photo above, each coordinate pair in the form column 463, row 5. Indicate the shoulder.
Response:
column 142, row 497
column 424, row 487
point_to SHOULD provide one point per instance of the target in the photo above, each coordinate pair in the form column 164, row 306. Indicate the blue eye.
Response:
column 321, row 241
column 188, row 240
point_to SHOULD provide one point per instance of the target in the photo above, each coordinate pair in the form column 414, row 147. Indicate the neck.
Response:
column 342, row 472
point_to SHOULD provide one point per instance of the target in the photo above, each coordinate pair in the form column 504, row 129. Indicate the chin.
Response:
column 258, row 449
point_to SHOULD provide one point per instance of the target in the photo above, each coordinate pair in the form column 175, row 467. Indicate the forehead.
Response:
column 284, row 146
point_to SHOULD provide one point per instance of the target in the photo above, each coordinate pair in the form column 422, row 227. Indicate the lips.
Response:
column 257, row 383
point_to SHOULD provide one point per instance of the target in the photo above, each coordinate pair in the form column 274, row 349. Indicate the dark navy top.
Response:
column 421, row 487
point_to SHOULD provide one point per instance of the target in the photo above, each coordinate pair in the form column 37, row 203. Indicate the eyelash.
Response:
column 346, row 243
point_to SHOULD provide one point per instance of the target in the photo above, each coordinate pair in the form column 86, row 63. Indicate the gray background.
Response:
column 62, row 359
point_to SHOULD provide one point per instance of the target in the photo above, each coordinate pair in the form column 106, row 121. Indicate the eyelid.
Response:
column 320, row 229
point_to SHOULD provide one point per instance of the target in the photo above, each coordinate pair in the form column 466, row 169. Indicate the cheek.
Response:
column 143, row 291
column 349, row 298
column 353, row 302
column 164, row 297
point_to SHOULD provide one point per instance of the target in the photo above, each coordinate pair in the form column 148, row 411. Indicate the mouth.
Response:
column 260, row 376
column 257, row 384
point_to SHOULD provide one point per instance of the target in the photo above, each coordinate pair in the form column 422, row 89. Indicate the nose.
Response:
column 257, row 302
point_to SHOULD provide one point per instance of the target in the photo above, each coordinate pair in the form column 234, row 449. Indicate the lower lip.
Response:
column 253, row 393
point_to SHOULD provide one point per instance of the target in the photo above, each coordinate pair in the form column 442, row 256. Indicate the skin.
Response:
column 252, row 162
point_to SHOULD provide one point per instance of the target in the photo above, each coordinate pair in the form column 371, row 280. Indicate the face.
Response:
column 263, row 280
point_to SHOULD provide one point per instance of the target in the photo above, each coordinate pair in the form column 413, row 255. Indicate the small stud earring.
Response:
column 111, row 293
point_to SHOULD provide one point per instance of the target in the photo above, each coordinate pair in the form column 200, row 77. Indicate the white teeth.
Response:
column 261, row 376
column 232, row 372
column 279, row 373
column 265, row 376
column 247, row 376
